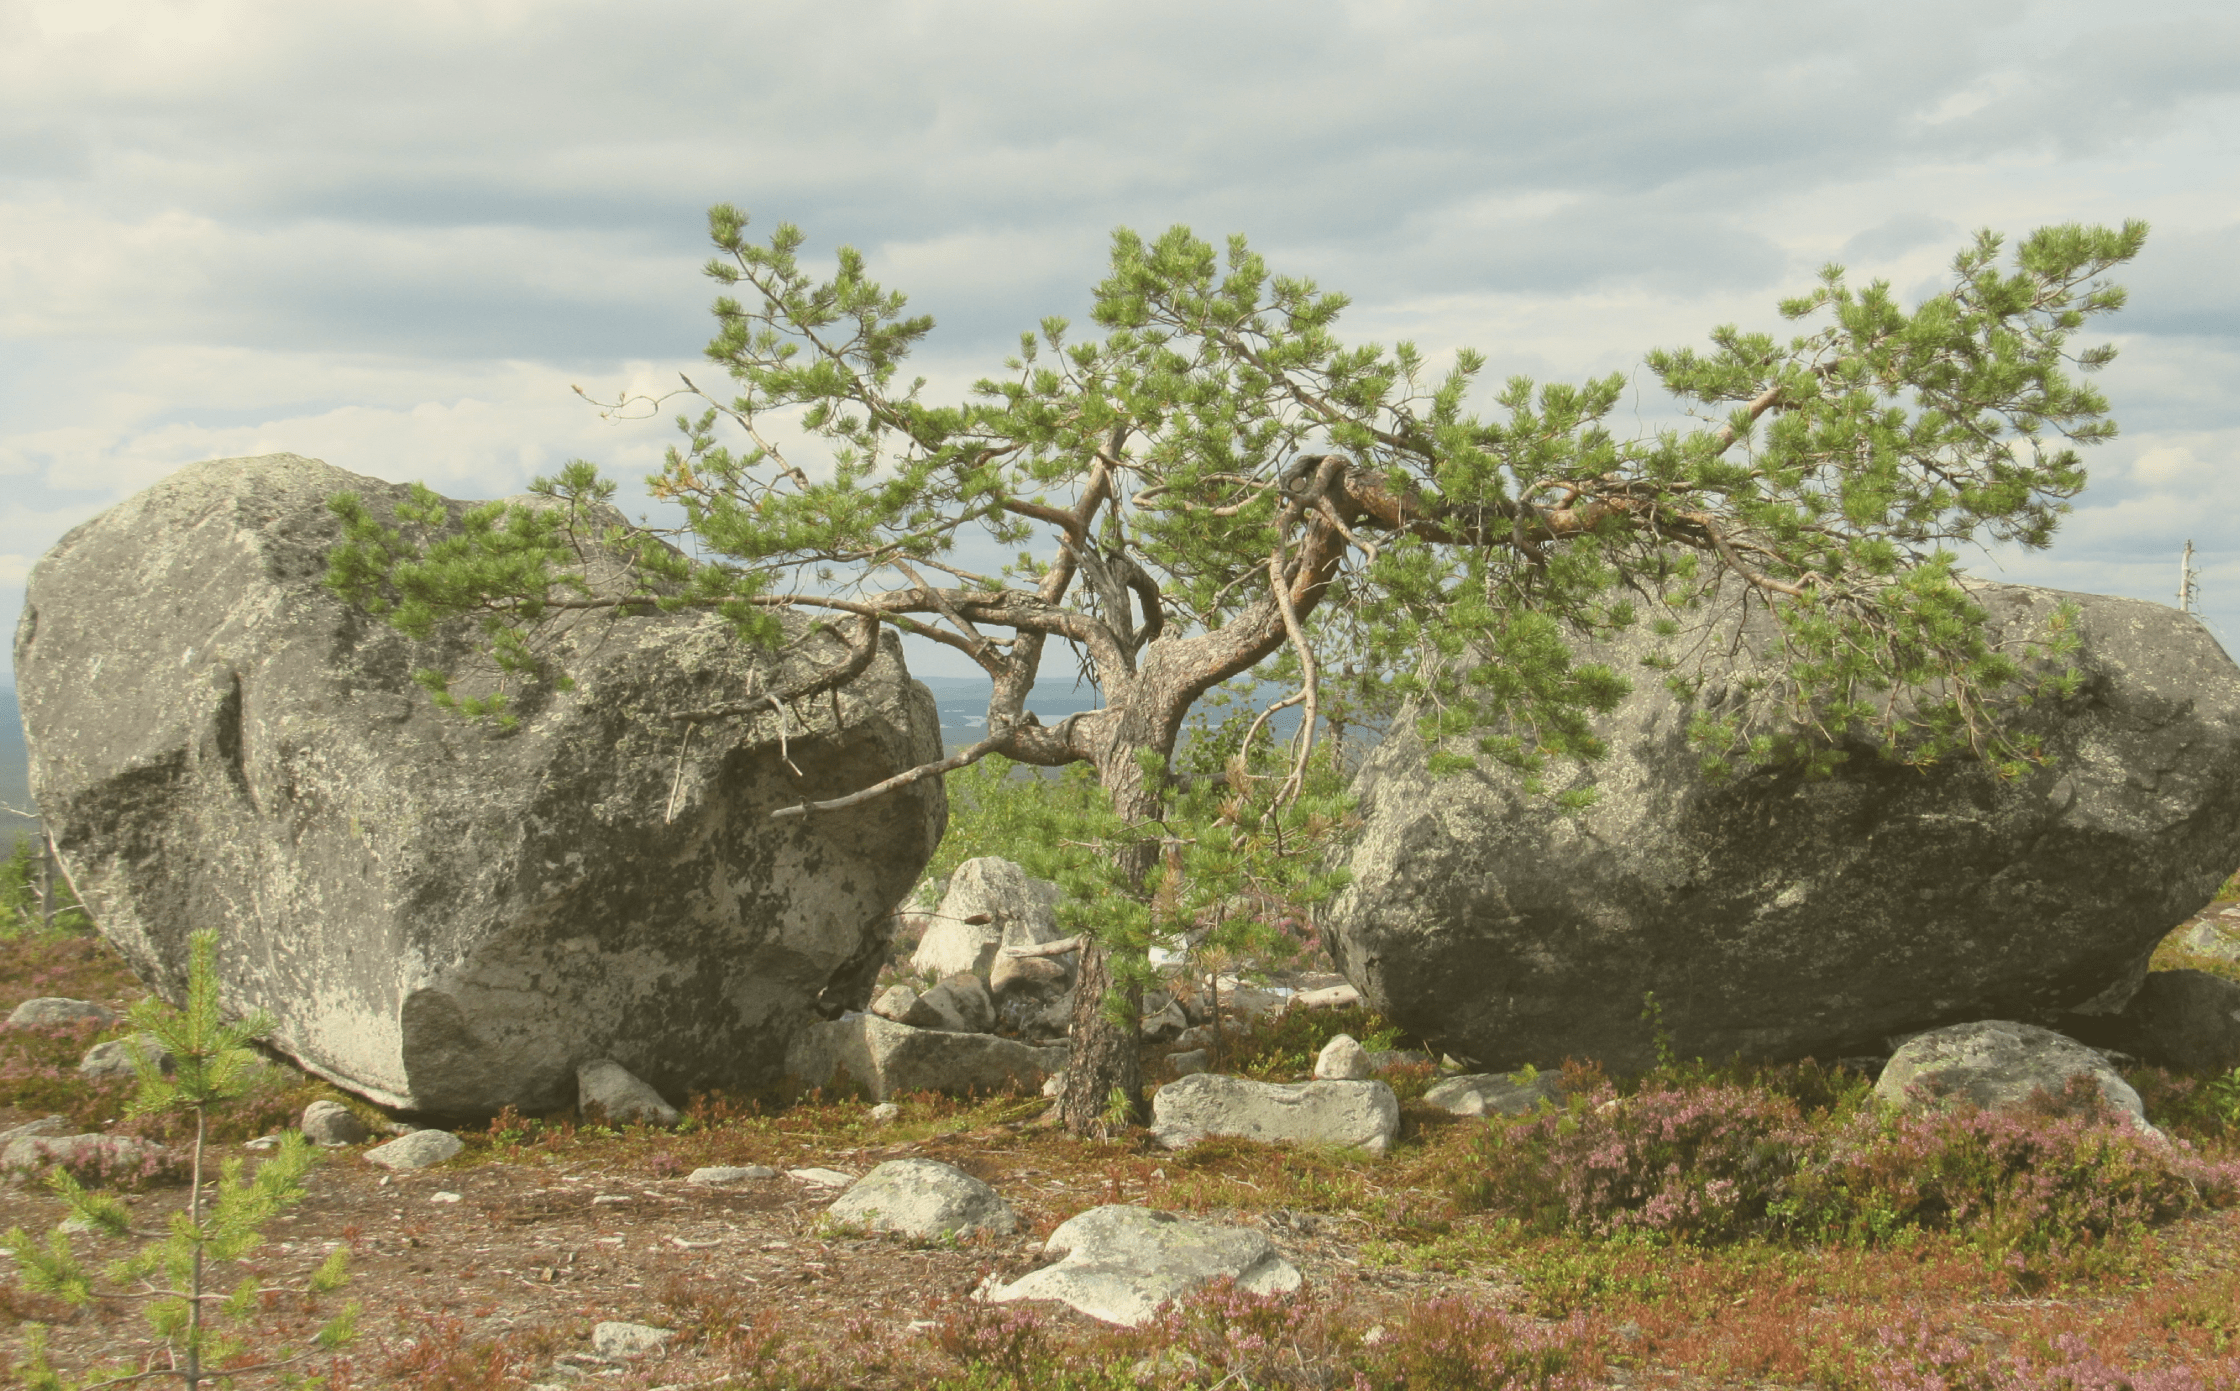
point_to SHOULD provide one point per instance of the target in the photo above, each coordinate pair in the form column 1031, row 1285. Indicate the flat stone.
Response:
column 50, row 1011
column 889, row 1059
column 1998, row 1065
column 114, row 1058
column 1329, row 997
column 628, row 1341
column 1494, row 1093
column 45, row 1125
column 1358, row 1115
column 729, row 1173
column 1343, row 1059
column 83, row 1154
column 821, row 1178
column 606, row 1089
column 332, row 1123
column 925, row 1200
column 416, row 1151
column 1119, row 1263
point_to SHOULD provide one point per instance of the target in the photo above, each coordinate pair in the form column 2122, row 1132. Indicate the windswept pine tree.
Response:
column 1214, row 485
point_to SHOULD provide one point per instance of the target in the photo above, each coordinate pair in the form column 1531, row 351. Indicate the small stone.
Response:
column 895, row 1003
column 48, row 1011
column 114, row 1058
column 886, row 1113
column 331, row 1123
column 627, row 1341
column 1055, row 1083
column 262, row 1143
column 416, row 1151
column 729, row 1173
column 606, row 1089
column 1120, row 1263
column 923, row 1199
column 960, row 1004
column 443, row 1197
column 1168, row 1023
column 1343, row 1059
column 1188, row 1064
column 821, row 1178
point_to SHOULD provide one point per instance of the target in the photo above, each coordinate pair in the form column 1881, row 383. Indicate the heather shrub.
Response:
column 2012, row 1182
column 1720, row 1162
column 1700, row 1164
column 1916, row 1357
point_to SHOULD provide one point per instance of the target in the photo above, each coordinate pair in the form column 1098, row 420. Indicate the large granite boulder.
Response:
column 1361, row 1115
column 990, row 904
column 447, row 917
column 1778, row 917
column 1999, row 1065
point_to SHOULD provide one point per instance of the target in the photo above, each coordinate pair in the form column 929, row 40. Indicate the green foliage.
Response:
column 210, row 1065
column 19, row 896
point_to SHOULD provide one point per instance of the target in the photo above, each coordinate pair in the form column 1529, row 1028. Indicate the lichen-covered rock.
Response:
column 2000, row 1065
column 1779, row 917
column 923, row 1199
column 114, row 1058
column 888, row 1059
column 415, row 1151
column 1494, row 1093
column 446, row 917
column 959, row 1004
column 606, row 1090
column 1343, row 1059
column 1119, row 1263
column 53, row 1011
column 1355, row 1115
column 332, row 1123
column 1018, row 910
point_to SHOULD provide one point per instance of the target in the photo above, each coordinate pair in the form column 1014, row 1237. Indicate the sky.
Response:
column 394, row 236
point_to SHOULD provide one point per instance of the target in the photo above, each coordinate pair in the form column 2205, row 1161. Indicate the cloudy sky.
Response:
column 393, row 236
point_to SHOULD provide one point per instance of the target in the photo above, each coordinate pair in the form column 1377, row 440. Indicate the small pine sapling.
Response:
column 171, row 1269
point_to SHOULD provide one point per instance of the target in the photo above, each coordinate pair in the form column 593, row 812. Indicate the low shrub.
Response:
column 1719, row 1162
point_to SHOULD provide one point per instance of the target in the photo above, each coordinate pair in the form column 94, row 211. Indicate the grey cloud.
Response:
column 1899, row 235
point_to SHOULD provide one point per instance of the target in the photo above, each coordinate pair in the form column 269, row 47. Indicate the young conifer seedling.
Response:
column 172, row 1269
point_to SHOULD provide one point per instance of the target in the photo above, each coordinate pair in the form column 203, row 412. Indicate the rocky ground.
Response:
column 495, row 1268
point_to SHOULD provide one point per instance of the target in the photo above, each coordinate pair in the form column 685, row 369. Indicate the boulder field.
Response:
column 1779, row 917
column 443, row 916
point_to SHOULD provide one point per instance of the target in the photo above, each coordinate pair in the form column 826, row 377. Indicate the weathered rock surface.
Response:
column 2218, row 937
column 1020, row 911
column 1777, row 917
column 925, row 1200
column 1120, row 1263
column 111, row 1154
column 444, row 917
column 1189, row 1062
column 1033, row 994
column 50, row 1011
column 710, row 1174
column 888, row 1059
column 1343, row 1059
column 114, row 1058
column 2188, row 1020
column 332, row 1123
column 415, row 1151
column 1494, row 1093
column 628, row 1341
column 1999, row 1065
column 959, row 1004
column 1360, row 1115
column 608, row 1090
column 894, row 1003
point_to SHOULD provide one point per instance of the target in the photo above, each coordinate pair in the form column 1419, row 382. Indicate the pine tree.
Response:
column 1217, row 487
